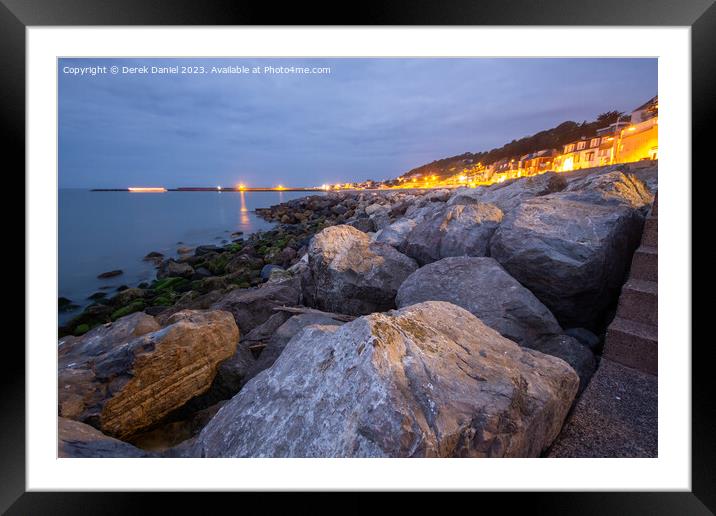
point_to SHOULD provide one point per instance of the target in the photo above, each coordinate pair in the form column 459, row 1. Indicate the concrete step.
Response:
column 633, row 344
column 650, row 236
column 654, row 207
column 639, row 302
column 645, row 264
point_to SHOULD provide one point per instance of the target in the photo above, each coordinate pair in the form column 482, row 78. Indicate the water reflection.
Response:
column 244, row 219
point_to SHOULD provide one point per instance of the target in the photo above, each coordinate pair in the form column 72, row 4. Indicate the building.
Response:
column 538, row 162
column 646, row 111
column 640, row 140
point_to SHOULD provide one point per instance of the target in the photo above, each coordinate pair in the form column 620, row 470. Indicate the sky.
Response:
column 366, row 119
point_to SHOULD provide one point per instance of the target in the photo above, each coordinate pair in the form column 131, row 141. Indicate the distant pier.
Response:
column 208, row 189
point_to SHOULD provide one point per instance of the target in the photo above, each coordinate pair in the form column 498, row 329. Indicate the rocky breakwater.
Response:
column 388, row 323
column 430, row 380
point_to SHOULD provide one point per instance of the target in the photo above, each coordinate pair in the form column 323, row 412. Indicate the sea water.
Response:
column 103, row 231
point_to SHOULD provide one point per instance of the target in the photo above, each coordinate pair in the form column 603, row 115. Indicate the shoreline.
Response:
column 442, row 278
column 260, row 249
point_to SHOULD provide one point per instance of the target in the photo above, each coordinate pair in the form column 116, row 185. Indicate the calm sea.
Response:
column 103, row 231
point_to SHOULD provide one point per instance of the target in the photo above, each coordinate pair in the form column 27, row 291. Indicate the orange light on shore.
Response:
column 143, row 189
column 241, row 186
column 280, row 187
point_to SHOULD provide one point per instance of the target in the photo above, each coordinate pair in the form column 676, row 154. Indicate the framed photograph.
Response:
column 268, row 252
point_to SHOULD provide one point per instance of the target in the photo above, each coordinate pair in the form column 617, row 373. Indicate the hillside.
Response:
column 553, row 138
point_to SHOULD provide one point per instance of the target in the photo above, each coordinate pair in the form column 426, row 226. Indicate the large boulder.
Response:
column 253, row 306
column 275, row 345
column 126, row 376
column 457, row 230
column 482, row 287
column 430, row 380
column 78, row 440
column 569, row 349
column 612, row 188
column 508, row 196
column 350, row 274
column 572, row 254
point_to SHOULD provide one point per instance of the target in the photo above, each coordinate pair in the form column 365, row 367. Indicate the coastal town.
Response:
column 631, row 138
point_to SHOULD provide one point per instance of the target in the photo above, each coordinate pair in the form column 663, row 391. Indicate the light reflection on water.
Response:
column 102, row 231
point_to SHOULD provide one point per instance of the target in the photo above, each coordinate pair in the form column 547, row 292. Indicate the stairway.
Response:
column 632, row 337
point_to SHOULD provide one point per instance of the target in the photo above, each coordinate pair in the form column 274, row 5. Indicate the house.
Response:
column 538, row 162
column 639, row 141
column 646, row 111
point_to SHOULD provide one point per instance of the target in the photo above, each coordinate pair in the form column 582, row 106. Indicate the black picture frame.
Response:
column 17, row 15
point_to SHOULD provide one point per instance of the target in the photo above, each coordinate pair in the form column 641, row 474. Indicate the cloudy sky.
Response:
column 366, row 119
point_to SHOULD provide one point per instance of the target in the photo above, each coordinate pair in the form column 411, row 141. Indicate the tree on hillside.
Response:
column 609, row 117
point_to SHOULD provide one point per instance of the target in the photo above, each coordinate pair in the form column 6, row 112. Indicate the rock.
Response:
column 381, row 218
column 156, row 309
column 96, row 296
column 176, row 431
column 611, row 188
column 585, row 337
column 267, row 270
column 127, row 296
column 437, row 195
column 396, row 233
column 352, row 275
column 458, row 230
column 65, row 305
column 246, row 258
column 286, row 256
column 482, row 287
column 263, row 332
column 171, row 268
column 278, row 275
column 110, row 274
column 201, row 302
column 201, row 273
column 79, row 440
column 363, row 224
column 572, row 255
column 231, row 374
column 101, row 338
column 429, row 380
column 373, row 208
column 126, row 376
column 155, row 257
column 276, row 342
column 206, row 249
column 251, row 307
column 571, row 351
column 508, row 196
